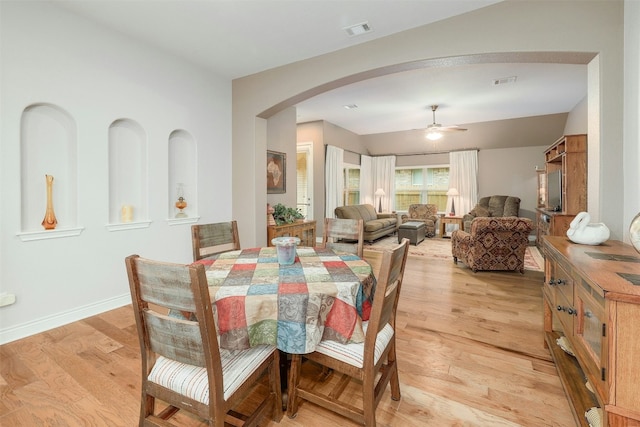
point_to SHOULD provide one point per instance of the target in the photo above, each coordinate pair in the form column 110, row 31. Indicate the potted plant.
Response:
column 285, row 215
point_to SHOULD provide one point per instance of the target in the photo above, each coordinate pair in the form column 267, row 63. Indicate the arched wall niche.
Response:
column 48, row 146
column 183, row 177
column 128, row 176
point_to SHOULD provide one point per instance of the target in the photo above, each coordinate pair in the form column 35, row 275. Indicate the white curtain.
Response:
column 384, row 173
column 366, row 181
column 333, row 180
column 463, row 176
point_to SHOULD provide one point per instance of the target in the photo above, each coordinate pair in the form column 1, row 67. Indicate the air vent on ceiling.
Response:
column 351, row 106
column 504, row 80
column 358, row 29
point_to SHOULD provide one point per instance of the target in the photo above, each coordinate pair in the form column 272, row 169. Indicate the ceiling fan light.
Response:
column 434, row 136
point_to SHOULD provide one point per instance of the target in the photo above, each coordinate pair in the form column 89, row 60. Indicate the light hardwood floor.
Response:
column 470, row 353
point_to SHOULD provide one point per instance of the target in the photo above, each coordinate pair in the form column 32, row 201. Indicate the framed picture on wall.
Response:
column 276, row 172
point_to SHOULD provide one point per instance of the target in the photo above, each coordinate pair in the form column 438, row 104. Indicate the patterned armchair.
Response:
column 492, row 243
column 423, row 213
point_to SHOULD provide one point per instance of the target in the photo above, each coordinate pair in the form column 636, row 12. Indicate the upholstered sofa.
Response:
column 428, row 214
column 375, row 225
column 492, row 206
column 493, row 243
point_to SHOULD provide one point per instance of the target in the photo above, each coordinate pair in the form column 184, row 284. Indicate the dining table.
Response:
column 323, row 295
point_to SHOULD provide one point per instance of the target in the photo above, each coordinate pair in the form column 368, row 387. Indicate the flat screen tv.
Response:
column 554, row 185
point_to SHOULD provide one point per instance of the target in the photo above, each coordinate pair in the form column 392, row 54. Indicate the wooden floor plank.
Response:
column 470, row 353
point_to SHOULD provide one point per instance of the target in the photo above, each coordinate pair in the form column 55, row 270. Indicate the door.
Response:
column 304, row 179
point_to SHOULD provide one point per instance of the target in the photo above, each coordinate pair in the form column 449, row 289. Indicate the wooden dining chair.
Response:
column 361, row 362
column 211, row 239
column 344, row 235
column 182, row 363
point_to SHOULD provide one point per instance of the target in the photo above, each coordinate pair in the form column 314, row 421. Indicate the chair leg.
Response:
column 276, row 387
column 394, row 380
column 369, row 404
column 294, row 380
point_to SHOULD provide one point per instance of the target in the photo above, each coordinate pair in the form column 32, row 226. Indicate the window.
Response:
column 428, row 184
column 351, row 185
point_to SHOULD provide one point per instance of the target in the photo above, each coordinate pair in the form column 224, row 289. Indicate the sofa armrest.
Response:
column 461, row 235
column 468, row 217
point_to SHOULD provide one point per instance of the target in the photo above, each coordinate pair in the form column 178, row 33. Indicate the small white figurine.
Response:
column 580, row 231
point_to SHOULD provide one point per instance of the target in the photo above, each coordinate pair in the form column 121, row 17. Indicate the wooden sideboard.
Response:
column 592, row 297
column 304, row 230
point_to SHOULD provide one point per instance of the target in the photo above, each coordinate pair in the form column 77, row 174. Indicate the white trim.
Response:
column 63, row 318
column 29, row 236
column 187, row 220
column 128, row 225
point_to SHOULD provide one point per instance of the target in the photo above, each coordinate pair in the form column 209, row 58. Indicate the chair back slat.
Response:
column 166, row 285
column 175, row 339
column 210, row 239
column 344, row 235
column 387, row 291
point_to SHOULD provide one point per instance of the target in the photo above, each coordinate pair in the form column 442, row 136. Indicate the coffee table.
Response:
column 412, row 230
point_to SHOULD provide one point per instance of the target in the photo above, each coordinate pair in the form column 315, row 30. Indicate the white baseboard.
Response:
column 63, row 318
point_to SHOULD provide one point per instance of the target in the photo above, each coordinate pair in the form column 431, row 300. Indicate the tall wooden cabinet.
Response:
column 569, row 156
column 592, row 301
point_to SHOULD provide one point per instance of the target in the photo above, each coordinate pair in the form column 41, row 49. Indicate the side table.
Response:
column 449, row 220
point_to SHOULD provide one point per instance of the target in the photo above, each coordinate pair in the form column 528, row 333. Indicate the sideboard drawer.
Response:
column 566, row 313
column 563, row 283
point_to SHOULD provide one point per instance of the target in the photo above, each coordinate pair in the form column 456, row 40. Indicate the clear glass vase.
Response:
column 634, row 232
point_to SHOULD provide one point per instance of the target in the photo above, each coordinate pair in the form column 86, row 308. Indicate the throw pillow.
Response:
column 481, row 211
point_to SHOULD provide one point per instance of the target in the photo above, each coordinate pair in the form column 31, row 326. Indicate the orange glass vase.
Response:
column 49, row 222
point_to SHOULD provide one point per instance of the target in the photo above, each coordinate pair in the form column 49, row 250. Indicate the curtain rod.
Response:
column 437, row 152
column 410, row 154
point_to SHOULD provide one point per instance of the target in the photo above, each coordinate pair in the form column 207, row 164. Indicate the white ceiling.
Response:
column 235, row 38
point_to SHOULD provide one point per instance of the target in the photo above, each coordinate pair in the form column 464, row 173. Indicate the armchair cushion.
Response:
column 493, row 243
column 480, row 211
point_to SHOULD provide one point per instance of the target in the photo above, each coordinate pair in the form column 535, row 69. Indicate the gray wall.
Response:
column 510, row 31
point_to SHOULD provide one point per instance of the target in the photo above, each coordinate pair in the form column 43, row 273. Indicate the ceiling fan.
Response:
column 435, row 130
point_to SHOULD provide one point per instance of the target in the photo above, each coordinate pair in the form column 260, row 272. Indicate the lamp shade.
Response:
column 379, row 192
column 453, row 192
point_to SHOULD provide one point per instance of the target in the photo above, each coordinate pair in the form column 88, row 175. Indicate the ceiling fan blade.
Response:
column 437, row 127
column 452, row 128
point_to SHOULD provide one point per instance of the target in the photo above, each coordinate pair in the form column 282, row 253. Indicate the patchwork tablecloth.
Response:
column 322, row 295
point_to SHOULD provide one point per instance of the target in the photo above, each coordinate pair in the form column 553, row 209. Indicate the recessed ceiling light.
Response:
column 351, row 106
column 358, row 29
column 504, row 80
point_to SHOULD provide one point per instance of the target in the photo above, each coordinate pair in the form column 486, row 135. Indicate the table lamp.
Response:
column 453, row 192
column 379, row 193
